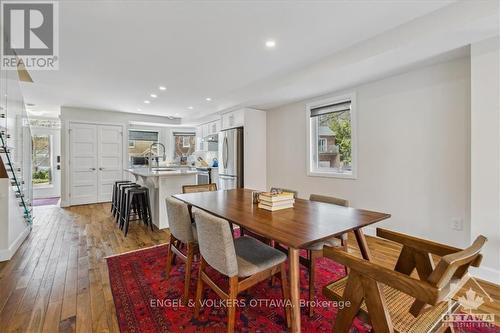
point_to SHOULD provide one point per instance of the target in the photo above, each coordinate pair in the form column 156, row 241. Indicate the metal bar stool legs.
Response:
column 114, row 200
column 135, row 202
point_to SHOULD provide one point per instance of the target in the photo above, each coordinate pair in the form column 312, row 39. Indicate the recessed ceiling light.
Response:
column 208, row 99
column 162, row 88
column 270, row 43
column 139, row 110
column 177, row 115
column 153, row 95
column 190, row 107
column 146, row 102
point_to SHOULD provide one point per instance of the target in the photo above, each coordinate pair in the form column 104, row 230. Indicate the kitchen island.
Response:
column 162, row 183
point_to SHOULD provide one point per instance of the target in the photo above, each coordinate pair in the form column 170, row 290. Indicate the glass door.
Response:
column 46, row 163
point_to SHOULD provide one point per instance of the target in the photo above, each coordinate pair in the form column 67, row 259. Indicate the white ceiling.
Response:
column 113, row 54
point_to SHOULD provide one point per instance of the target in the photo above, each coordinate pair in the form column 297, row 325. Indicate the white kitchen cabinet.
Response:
column 199, row 141
column 233, row 119
column 255, row 143
column 214, row 127
column 204, row 130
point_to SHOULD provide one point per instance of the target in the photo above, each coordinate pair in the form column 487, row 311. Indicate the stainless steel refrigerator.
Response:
column 231, row 158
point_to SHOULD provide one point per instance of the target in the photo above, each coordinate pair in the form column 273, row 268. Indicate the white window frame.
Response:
column 312, row 138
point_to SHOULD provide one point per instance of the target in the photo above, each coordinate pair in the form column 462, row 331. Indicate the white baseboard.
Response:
column 7, row 254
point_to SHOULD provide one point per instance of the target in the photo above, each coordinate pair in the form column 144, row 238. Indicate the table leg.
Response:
column 363, row 246
column 293, row 259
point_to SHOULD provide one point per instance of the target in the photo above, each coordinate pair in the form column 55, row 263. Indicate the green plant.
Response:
column 41, row 175
column 340, row 124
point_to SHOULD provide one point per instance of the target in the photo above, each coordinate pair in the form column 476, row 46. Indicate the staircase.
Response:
column 14, row 173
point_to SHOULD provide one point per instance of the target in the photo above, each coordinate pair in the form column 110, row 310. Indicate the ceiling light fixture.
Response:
column 146, row 102
column 270, row 43
column 208, row 99
column 153, row 95
column 139, row 110
column 162, row 88
column 177, row 115
column 190, row 107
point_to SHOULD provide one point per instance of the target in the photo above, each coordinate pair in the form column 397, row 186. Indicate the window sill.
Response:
column 331, row 174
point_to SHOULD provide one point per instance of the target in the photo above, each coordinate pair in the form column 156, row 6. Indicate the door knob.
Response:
column 93, row 169
column 101, row 169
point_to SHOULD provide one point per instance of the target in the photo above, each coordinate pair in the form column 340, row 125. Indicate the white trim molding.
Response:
column 315, row 172
column 7, row 254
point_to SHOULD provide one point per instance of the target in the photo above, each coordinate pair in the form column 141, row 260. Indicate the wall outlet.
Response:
column 457, row 224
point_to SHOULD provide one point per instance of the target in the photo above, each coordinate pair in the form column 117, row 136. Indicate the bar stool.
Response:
column 114, row 199
column 120, row 197
column 135, row 203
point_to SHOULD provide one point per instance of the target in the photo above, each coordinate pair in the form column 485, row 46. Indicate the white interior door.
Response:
column 110, row 159
column 83, row 163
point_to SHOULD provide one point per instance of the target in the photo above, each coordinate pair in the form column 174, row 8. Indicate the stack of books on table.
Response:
column 276, row 201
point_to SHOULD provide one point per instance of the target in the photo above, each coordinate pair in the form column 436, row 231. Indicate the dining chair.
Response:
column 182, row 234
column 262, row 238
column 199, row 188
column 205, row 188
column 244, row 260
column 315, row 251
column 393, row 300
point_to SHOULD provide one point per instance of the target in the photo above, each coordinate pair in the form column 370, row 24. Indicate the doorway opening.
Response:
column 46, row 174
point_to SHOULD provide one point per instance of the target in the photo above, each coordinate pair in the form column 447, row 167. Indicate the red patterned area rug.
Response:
column 146, row 301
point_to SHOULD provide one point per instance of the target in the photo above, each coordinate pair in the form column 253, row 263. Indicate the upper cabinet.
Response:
column 214, row 127
column 254, row 137
column 233, row 119
column 204, row 130
column 207, row 129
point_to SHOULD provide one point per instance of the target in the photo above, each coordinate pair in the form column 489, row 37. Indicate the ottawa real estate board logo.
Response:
column 469, row 317
column 29, row 35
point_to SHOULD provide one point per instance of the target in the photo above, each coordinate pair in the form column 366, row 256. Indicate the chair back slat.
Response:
column 216, row 242
column 449, row 264
column 329, row 199
column 451, row 272
column 199, row 188
column 179, row 220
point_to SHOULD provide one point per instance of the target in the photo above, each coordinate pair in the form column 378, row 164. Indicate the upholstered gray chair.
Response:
column 315, row 250
column 182, row 232
column 245, row 260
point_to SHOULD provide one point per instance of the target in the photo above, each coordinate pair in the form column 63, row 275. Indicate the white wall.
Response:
column 413, row 153
column 485, row 152
column 110, row 117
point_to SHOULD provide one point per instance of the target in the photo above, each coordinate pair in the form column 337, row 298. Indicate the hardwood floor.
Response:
column 58, row 280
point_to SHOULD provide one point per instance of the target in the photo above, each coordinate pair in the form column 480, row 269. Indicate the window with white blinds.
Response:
column 143, row 135
column 331, row 138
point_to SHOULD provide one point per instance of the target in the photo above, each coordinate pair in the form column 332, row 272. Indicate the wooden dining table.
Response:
column 306, row 223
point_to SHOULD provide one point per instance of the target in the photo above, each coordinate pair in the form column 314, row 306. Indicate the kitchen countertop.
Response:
column 144, row 172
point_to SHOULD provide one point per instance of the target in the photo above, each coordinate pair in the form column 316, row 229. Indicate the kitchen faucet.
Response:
column 150, row 155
